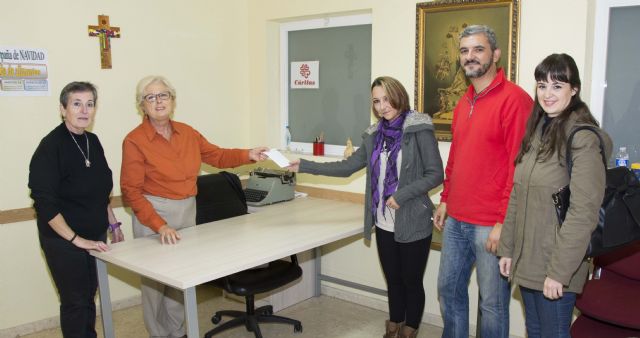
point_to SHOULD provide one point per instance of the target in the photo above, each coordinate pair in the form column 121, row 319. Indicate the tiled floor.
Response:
column 321, row 317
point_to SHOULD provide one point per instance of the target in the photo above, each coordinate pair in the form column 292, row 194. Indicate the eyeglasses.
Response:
column 151, row 98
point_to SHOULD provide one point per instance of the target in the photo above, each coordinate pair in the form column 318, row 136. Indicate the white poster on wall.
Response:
column 23, row 72
column 305, row 74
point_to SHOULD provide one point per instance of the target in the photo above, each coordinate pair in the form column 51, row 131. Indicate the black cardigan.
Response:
column 60, row 183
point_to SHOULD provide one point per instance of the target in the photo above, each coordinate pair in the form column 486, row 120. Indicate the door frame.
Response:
column 599, row 59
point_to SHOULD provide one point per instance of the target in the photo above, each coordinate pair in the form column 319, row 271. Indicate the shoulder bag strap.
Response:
column 568, row 152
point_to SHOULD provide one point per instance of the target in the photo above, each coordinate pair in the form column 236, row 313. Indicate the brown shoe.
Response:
column 408, row 332
column 393, row 329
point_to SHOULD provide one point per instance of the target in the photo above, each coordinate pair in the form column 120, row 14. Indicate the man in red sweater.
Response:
column 488, row 125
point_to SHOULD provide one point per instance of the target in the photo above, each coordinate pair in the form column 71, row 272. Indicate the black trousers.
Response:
column 74, row 273
column 403, row 265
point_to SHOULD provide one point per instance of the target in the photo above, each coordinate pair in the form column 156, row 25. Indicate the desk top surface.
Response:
column 209, row 251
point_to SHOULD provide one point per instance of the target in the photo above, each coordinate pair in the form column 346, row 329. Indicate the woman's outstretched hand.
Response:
column 294, row 166
column 257, row 154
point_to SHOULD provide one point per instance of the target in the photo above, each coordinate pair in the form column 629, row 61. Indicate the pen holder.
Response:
column 318, row 148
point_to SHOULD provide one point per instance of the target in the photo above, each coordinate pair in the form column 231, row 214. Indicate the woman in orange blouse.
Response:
column 161, row 160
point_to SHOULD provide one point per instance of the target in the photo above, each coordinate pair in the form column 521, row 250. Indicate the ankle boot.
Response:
column 408, row 332
column 393, row 329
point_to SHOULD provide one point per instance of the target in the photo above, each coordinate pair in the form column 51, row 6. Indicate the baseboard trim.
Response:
column 381, row 304
column 327, row 290
column 374, row 303
column 53, row 322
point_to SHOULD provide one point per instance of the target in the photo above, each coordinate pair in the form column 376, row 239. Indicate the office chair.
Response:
column 609, row 305
column 250, row 282
column 220, row 196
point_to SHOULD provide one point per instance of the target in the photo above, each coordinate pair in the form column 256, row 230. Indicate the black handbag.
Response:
column 619, row 216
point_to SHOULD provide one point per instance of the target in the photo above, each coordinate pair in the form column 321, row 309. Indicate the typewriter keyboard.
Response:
column 253, row 195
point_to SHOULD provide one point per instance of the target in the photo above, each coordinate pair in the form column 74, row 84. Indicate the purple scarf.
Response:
column 389, row 136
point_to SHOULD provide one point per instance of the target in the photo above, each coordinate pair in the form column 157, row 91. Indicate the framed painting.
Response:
column 440, row 81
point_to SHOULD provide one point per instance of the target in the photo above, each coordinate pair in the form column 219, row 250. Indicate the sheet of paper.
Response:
column 277, row 157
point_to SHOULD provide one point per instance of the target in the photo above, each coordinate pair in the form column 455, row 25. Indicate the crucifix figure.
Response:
column 105, row 33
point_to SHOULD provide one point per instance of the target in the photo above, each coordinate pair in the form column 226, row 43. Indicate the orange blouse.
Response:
column 152, row 165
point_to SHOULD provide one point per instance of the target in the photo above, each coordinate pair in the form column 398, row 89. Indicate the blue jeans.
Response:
column 545, row 317
column 463, row 244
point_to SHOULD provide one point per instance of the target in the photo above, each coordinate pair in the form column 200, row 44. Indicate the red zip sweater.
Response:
column 487, row 130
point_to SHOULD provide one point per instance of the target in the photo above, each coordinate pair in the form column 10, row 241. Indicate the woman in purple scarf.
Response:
column 400, row 154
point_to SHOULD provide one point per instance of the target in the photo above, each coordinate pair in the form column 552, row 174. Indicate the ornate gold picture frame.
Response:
column 440, row 81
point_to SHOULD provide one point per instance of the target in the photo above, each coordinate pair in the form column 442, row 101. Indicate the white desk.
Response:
column 213, row 250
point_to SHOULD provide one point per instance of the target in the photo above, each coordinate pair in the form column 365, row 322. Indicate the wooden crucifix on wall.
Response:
column 104, row 32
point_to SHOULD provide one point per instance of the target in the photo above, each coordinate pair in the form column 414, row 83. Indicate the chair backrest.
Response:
column 219, row 196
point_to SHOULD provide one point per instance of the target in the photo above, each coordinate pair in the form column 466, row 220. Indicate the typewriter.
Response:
column 268, row 186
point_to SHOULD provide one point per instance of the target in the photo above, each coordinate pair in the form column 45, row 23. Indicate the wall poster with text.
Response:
column 23, row 72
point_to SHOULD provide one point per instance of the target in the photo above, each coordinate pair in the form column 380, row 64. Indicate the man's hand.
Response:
column 440, row 215
column 168, row 235
column 494, row 239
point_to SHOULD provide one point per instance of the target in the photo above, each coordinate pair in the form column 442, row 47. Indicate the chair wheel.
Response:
column 269, row 311
column 216, row 319
column 297, row 328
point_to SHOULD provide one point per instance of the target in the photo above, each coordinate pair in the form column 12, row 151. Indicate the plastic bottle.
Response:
column 288, row 138
column 622, row 159
column 635, row 167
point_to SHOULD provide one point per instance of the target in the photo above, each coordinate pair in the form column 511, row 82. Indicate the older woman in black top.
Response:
column 70, row 184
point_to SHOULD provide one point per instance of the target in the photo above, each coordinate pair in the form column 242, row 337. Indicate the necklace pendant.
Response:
column 87, row 163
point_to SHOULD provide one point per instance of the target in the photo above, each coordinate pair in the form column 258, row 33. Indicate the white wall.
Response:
column 222, row 56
